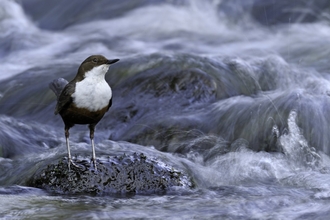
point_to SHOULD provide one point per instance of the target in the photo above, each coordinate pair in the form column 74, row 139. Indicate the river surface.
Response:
column 234, row 93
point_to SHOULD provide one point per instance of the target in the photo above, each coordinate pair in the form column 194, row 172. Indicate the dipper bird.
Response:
column 85, row 99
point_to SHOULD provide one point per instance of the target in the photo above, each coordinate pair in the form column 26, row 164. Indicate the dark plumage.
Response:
column 85, row 99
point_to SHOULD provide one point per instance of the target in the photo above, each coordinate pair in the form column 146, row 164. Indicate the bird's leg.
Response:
column 91, row 135
column 68, row 146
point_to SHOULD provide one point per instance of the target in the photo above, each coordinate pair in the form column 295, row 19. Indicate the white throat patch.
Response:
column 93, row 92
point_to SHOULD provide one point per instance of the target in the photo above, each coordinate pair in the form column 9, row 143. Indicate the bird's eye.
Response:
column 95, row 60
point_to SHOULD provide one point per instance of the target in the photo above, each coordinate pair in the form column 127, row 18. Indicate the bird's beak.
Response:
column 112, row 61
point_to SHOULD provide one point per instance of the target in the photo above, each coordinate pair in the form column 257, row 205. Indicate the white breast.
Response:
column 93, row 93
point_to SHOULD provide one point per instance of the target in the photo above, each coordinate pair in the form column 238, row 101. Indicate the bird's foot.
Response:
column 70, row 162
column 93, row 160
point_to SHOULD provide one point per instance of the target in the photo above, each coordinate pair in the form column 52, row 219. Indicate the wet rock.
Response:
column 185, row 86
column 117, row 175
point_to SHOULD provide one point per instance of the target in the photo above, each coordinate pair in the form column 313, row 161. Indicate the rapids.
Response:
column 234, row 94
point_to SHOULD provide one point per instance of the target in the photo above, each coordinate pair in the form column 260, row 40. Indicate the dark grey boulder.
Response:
column 127, row 174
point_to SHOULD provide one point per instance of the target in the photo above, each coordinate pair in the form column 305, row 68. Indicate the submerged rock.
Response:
column 117, row 175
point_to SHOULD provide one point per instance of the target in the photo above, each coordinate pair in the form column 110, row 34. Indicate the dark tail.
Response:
column 57, row 86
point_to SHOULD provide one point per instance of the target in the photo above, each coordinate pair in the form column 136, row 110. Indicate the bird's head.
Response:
column 95, row 66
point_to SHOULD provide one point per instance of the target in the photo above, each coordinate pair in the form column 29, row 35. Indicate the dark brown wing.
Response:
column 110, row 104
column 65, row 98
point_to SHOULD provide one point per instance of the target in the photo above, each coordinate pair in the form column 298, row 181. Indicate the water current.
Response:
column 233, row 92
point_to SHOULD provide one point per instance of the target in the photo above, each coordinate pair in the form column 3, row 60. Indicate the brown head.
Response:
column 95, row 64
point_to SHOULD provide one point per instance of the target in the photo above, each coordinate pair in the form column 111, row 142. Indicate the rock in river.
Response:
column 118, row 175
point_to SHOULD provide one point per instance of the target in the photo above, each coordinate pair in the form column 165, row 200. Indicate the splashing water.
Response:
column 295, row 146
column 239, row 107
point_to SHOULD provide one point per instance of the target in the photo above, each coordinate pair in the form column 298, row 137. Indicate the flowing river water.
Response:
column 235, row 93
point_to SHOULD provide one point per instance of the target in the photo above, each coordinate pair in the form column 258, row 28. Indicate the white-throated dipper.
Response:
column 85, row 99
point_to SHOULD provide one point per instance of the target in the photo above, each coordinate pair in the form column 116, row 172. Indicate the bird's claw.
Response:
column 70, row 161
column 93, row 160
